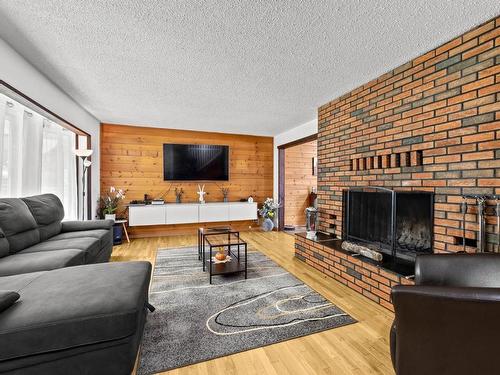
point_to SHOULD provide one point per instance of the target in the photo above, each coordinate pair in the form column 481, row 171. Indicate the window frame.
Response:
column 32, row 104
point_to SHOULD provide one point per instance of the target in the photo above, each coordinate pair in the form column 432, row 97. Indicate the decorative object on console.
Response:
column 201, row 192
column 225, row 193
column 224, row 190
column 250, row 199
column 109, row 203
column 311, row 221
column 268, row 213
column 179, row 192
column 84, row 154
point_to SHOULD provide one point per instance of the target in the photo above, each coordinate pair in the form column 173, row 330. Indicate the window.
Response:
column 36, row 156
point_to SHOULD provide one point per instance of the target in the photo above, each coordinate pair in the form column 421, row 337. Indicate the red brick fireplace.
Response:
column 432, row 124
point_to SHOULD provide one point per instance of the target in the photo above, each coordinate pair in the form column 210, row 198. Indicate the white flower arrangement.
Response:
column 269, row 208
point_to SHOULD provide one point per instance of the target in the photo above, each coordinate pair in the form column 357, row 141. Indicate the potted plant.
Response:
column 269, row 212
column 109, row 202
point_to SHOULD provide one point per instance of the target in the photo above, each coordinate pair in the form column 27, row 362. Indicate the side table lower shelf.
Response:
column 234, row 247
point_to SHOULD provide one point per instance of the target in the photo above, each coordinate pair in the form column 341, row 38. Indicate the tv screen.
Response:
column 195, row 162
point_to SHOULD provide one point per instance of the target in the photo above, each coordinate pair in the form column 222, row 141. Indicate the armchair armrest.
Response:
column 75, row 226
column 459, row 270
column 446, row 330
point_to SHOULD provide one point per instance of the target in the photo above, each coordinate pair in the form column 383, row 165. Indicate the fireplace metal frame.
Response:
column 393, row 224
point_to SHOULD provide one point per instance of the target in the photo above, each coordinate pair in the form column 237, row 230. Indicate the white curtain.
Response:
column 36, row 156
column 31, row 161
column 59, row 165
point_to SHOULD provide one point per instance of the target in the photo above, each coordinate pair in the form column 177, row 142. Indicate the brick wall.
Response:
column 365, row 278
column 431, row 124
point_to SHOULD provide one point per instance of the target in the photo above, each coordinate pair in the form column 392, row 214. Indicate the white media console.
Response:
column 188, row 213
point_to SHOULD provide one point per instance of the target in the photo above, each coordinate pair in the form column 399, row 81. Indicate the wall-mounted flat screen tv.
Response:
column 195, row 162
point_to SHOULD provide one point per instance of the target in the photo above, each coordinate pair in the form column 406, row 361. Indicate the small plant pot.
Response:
column 110, row 217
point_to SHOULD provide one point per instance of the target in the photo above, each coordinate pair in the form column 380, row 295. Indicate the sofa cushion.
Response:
column 48, row 212
column 40, row 261
column 7, row 299
column 78, row 226
column 72, row 307
column 105, row 236
column 88, row 244
column 18, row 224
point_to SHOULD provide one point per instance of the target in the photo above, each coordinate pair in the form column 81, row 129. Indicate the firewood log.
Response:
column 362, row 250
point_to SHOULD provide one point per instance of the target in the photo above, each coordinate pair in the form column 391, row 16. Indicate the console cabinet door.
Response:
column 147, row 215
column 182, row 213
column 243, row 211
column 214, row 212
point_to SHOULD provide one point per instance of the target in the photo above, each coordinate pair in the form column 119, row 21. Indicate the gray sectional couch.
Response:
column 60, row 312
column 34, row 238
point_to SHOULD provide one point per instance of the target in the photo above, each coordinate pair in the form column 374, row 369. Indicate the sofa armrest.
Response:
column 458, row 270
column 75, row 226
column 446, row 330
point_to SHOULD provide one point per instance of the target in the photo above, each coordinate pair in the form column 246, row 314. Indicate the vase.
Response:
column 267, row 225
column 225, row 199
column 311, row 222
column 110, row 217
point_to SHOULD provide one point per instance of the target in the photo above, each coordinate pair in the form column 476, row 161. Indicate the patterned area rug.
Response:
column 195, row 321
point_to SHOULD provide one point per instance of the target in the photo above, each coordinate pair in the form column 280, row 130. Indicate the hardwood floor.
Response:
column 361, row 348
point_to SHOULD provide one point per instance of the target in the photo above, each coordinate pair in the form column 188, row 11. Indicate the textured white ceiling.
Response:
column 240, row 66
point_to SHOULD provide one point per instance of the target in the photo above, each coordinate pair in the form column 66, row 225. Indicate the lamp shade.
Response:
column 83, row 152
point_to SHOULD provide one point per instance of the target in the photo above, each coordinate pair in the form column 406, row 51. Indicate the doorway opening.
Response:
column 297, row 175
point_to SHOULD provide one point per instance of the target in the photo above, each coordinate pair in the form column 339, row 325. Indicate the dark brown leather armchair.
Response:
column 449, row 322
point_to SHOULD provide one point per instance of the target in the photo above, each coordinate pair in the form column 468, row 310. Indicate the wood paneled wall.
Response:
column 132, row 159
column 299, row 180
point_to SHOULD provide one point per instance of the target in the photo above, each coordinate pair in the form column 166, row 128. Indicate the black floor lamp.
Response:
column 84, row 154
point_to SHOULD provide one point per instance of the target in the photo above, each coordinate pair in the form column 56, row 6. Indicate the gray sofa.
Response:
column 58, row 313
column 34, row 238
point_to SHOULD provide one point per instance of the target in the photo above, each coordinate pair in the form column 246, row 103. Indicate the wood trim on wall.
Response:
column 37, row 107
column 298, row 141
column 281, row 188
